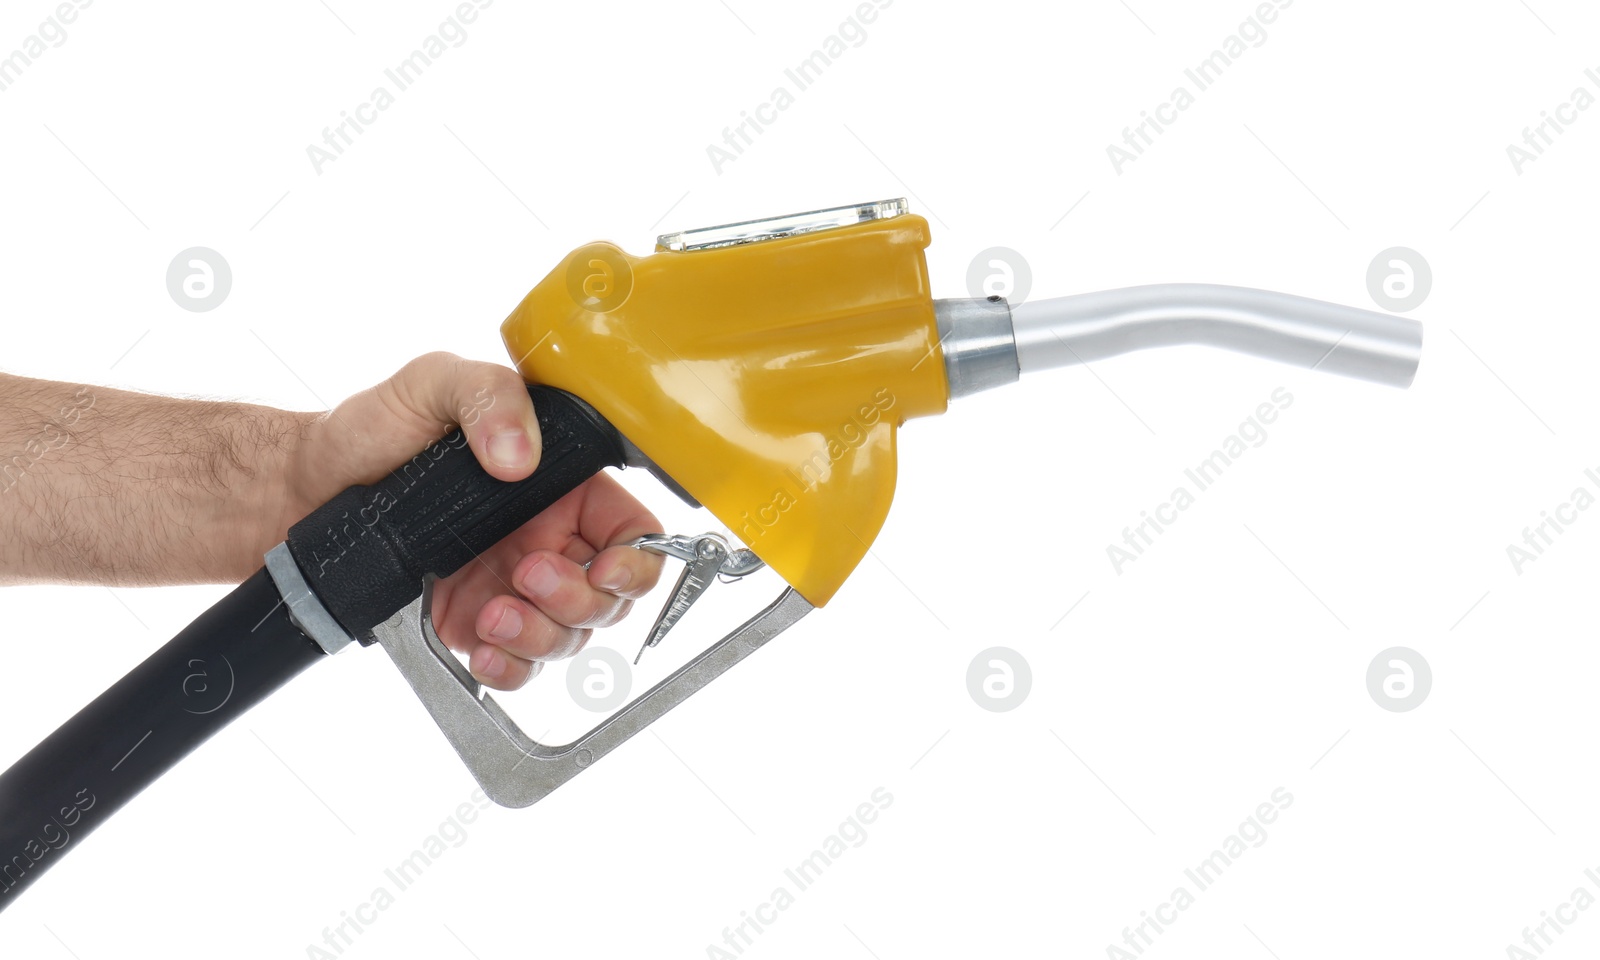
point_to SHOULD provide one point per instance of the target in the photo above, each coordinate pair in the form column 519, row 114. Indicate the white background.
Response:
column 1173, row 699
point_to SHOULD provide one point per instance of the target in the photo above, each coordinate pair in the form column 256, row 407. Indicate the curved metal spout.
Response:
column 1277, row 326
column 988, row 343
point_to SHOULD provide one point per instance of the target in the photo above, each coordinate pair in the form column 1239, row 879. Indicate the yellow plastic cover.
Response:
column 768, row 379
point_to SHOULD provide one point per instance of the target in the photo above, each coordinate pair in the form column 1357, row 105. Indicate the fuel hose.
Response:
column 221, row 665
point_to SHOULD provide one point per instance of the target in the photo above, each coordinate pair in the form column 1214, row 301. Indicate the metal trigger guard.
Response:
column 513, row 769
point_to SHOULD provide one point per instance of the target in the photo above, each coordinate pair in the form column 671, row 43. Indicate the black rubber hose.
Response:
column 221, row 665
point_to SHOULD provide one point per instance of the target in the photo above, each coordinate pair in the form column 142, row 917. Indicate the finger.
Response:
column 561, row 588
column 488, row 401
column 625, row 571
column 517, row 627
column 468, row 605
column 609, row 517
column 494, row 667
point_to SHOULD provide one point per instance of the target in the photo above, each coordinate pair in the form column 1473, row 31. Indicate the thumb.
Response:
column 489, row 402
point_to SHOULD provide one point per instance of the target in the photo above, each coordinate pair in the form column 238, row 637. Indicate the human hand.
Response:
column 530, row 598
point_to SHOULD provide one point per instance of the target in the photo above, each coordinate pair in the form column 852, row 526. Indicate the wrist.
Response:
column 275, row 497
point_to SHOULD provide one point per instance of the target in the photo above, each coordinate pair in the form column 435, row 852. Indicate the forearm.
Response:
column 111, row 487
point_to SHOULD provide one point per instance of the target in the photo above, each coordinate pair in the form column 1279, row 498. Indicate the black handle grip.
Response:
column 365, row 551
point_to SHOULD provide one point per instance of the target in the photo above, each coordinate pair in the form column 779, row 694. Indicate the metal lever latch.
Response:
column 706, row 557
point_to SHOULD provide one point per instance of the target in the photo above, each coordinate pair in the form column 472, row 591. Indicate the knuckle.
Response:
column 575, row 641
column 597, row 609
column 574, row 603
column 515, row 677
column 429, row 364
column 615, row 615
column 561, row 643
column 418, row 387
column 543, row 638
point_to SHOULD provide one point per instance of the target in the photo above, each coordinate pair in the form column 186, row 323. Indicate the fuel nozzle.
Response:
column 762, row 370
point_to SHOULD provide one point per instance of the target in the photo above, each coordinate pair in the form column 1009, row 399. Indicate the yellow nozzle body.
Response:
column 768, row 379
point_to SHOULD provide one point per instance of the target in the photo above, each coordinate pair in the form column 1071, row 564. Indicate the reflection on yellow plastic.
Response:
column 769, row 379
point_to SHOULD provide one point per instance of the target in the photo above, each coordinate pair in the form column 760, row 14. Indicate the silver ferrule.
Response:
column 980, row 348
column 305, row 607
